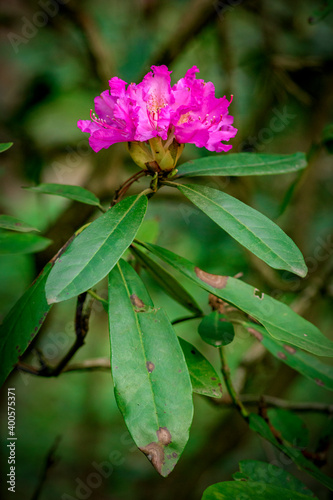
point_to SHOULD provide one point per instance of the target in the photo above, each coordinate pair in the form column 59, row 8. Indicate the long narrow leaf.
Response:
column 22, row 323
column 76, row 193
column 304, row 363
column 92, row 255
column 281, row 322
column 14, row 224
column 259, row 425
column 248, row 226
column 237, row 164
column 152, row 383
column 21, row 243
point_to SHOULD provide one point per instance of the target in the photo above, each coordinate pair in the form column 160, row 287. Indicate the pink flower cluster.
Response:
column 188, row 112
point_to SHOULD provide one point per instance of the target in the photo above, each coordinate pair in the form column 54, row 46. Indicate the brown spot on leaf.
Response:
column 137, row 303
column 18, row 224
column 281, row 355
column 319, row 382
column 174, row 455
column 193, row 351
column 213, row 378
column 213, row 280
column 164, row 436
column 289, row 349
column 150, row 366
column 256, row 334
column 155, row 453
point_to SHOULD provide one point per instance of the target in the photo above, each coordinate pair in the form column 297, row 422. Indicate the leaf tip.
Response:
column 51, row 300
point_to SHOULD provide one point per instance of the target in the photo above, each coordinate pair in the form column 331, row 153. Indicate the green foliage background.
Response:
column 279, row 67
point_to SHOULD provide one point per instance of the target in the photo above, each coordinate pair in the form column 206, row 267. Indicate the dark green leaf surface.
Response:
column 247, row 226
column 171, row 286
column 280, row 321
column 22, row 323
column 215, row 330
column 259, row 425
column 204, row 378
column 95, row 251
column 327, row 133
column 76, row 193
column 5, row 145
column 152, row 384
column 263, row 472
column 324, row 8
column 234, row 490
column 238, row 164
column 301, row 361
column 11, row 243
column 14, row 224
column 290, row 425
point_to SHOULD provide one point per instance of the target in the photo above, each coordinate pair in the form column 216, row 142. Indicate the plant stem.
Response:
column 186, row 318
column 231, row 390
column 81, row 330
column 121, row 191
column 274, row 402
column 97, row 297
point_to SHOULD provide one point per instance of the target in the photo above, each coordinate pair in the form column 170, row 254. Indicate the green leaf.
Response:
column 5, row 145
column 321, row 12
column 76, row 193
column 14, row 224
column 22, row 323
column 262, row 472
column 216, row 330
column 290, row 425
column 301, row 361
column 152, row 384
column 247, row 226
column 280, row 321
column 12, row 243
column 95, row 251
column 204, row 378
column 259, row 425
column 248, row 490
column 237, row 164
column 327, row 135
column 170, row 285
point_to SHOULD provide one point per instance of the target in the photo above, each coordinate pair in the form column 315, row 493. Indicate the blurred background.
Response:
column 276, row 58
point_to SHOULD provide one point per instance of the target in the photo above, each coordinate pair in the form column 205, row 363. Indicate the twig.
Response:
column 49, row 462
column 81, row 330
column 121, row 191
column 97, row 364
column 200, row 14
column 231, row 390
column 273, row 402
column 186, row 318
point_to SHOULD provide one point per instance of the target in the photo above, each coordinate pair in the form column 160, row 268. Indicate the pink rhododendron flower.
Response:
column 154, row 113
